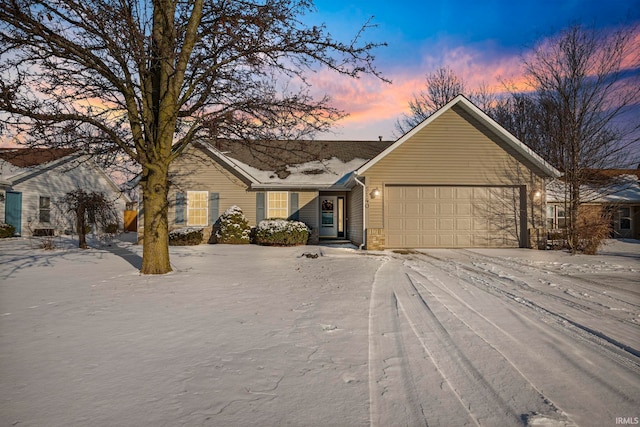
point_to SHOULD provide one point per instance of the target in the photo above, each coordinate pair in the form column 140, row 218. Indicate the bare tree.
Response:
column 442, row 86
column 145, row 78
column 89, row 207
column 583, row 93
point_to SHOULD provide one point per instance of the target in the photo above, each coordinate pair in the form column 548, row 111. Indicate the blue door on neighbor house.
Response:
column 13, row 210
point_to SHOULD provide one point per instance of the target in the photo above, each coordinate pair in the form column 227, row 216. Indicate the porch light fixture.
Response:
column 375, row 193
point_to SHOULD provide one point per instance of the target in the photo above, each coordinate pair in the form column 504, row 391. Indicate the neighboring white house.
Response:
column 32, row 182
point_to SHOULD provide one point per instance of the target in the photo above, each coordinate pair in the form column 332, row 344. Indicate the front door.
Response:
column 328, row 216
column 13, row 210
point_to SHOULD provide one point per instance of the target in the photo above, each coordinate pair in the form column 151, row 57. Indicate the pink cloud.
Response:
column 369, row 100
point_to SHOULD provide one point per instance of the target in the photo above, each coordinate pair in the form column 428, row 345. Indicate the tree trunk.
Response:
column 155, row 251
column 574, row 205
column 80, row 224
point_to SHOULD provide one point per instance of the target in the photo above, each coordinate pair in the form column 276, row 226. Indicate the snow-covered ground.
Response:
column 263, row 336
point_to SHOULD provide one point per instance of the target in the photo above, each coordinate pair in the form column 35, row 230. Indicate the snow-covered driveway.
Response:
column 247, row 335
column 461, row 337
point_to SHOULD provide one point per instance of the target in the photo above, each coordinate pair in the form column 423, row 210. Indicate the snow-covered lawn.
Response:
column 267, row 336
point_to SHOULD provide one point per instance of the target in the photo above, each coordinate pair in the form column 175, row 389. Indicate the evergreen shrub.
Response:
column 186, row 237
column 281, row 232
column 7, row 230
column 232, row 227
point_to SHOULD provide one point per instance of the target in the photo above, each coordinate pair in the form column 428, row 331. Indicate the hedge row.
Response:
column 233, row 228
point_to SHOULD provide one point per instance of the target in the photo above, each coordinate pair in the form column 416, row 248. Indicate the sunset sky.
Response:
column 482, row 41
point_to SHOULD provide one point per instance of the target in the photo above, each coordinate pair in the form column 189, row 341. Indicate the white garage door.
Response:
column 452, row 217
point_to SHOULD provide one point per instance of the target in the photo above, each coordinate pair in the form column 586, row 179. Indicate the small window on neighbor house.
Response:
column 625, row 218
column 561, row 217
column 551, row 215
column 277, row 204
column 45, row 209
column 197, row 208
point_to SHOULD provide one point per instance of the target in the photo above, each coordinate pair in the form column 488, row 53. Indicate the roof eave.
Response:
column 229, row 162
column 293, row 186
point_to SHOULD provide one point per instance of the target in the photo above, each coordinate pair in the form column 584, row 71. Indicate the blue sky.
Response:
column 481, row 40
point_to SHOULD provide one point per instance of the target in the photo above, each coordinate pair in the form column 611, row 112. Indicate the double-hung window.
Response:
column 556, row 217
column 197, row 208
column 625, row 218
column 45, row 209
column 277, row 204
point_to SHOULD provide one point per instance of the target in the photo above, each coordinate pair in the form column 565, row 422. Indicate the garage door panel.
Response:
column 445, row 224
column 429, row 193
column 463, row 209
column 412, row 241
column 446, row 241
column 432, row 216
column 463, row 240
column 463, row 224
column 429, row 241
column 445, row 209
column 429, row 209
column 429, row 224
column 412, row 224
column 445, row 192
column 396, row 209
column 395, row 193
column 412, row 193
column 395, row 224
column 464, row 193
column 395, row 241
column 412, row 208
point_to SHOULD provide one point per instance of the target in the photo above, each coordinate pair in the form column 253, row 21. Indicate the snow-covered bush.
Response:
column 232, row 227
column 281, row 232
column 185, row 237
column 6, row 230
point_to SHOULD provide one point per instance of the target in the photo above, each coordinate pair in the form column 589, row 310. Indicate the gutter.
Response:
column 292, row 185
column 364, row 213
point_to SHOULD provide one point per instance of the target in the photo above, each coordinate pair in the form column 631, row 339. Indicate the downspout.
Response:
column 364, row 215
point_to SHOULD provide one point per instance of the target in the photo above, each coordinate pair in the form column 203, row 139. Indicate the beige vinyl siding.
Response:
column 354, row 215
column 308, row 207
column 195, row 171
column 453, row 150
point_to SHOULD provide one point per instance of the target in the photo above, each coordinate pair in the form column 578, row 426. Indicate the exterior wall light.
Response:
column 375, row 193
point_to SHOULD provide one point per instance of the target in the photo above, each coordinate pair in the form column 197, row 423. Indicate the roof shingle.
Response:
column 29, row 157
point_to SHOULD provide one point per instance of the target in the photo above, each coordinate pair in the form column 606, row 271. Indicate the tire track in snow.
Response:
column 567, row 281
column 588, row 377
column 392, row 392
column 512, row 346
column 421, row 372
column 501, row 285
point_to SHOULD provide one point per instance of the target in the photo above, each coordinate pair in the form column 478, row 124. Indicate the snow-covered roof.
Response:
column 299, row 163
column 623, row 188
